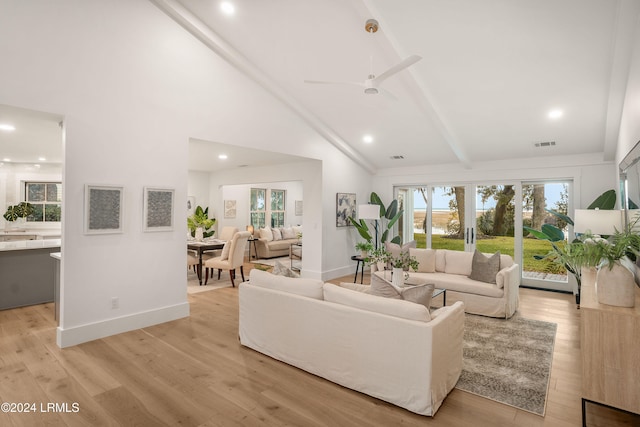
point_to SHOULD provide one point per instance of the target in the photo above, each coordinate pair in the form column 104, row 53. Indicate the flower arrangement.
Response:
column 403, row 260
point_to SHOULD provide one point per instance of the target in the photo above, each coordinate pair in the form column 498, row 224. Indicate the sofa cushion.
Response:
column 484, row 268
column 388, row 306
column 440, row 260
column 395, row 249
column 458, row 262
column 426, row 259
column 288, row 233
column 277, row 234
column 460, row 283
column 266, row 234
column 276, row 245
column 311, row 288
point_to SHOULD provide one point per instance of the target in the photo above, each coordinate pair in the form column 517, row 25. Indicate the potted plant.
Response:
column 399, row 264
column 18, row 212
column 199, row 224
column 617, row 272
column 364, row 248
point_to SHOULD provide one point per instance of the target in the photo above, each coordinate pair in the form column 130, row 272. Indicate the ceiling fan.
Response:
column 372, row 83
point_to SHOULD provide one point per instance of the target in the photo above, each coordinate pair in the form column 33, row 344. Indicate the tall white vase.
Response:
column 616, row 286
column 199, row 234
column 398, row 277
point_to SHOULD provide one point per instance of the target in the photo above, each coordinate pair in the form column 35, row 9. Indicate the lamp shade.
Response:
column 597, row 221
column 250, row 229
column 368, row 212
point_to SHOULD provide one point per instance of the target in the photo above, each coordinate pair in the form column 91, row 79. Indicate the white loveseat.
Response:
column 390, row 349
column 451, row 270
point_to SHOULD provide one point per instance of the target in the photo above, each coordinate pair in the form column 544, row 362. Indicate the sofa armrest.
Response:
column 511, row 285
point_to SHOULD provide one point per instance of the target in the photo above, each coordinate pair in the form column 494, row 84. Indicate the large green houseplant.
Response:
column 200, row 221
column 583, row 251
column 388, row 217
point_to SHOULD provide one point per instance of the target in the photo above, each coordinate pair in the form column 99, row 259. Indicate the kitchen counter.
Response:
column 21, row 245
column 27, row 272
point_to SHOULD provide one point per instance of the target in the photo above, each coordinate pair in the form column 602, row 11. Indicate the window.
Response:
column 46, row 199
column 277, row 208
column 258, row 207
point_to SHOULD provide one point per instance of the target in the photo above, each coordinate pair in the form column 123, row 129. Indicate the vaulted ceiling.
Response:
column 490, row 74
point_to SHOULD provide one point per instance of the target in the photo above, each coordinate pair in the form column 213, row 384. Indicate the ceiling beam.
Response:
column 226, row 51
column 423, row 97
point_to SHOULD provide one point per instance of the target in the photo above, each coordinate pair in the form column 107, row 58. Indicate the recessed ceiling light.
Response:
column 36, row 165
column 555, row 114
column 227, row 8
column 368, row 139
column 42, row 159
column 7, row 128
column 6, row 160
column 222, row 156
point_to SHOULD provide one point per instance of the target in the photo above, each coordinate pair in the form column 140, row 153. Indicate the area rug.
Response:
column 508, row 361
column 193, row 285
column 272, row 261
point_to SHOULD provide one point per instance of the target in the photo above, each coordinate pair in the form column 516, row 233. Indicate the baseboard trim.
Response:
column 79, row 334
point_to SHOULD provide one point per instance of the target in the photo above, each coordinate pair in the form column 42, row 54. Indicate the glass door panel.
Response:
column 495, row 219
column 447, row 217
column 536, row 198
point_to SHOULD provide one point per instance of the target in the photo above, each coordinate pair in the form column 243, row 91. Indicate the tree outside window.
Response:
column 46, row 199
column 277, row 208
column 258, row 207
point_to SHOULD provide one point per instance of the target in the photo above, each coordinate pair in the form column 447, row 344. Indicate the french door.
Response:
column 488, row 217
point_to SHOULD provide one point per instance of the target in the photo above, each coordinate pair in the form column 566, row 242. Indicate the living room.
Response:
column 134, row 87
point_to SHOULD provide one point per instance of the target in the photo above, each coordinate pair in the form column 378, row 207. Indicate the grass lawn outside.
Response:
column 504, row 244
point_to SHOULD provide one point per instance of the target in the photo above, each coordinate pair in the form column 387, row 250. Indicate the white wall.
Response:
column 198, row 187
column 133, row 88
column 12, row 179
column 630, row 123
column 241, row 193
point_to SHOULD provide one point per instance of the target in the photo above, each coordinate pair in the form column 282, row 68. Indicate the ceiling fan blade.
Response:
column 388, row 94
column 323, row 82
column 408, row 61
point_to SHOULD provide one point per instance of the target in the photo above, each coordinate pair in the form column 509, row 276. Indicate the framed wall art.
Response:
column 229, row 209
column 298, row 205
column 158, row 209
column 345, row 207
column 103, row 209
column 191, row 205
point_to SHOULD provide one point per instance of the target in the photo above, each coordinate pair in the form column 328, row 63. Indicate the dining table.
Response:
column 202, row 247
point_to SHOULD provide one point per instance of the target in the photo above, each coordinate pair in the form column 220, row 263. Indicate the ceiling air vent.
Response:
column 545, row 144
column 397, row 157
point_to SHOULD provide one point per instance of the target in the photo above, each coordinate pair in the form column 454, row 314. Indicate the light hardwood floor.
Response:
column 193, row 372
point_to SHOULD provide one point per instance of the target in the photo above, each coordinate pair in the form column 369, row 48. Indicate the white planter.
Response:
column 616, row 286
column 398, row 277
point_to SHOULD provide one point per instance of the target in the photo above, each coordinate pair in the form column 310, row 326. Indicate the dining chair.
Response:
column 226, row 234
column 193, row 260
column 231, row 260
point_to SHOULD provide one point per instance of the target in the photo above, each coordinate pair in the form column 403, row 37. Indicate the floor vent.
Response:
column 397, row 157
column 545, row 144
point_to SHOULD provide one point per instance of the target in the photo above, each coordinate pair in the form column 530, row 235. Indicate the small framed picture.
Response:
column 103, row 209
column 229, row 209
column 345, row 208
column 298, row 207
column 191, row 205
column 158, row 209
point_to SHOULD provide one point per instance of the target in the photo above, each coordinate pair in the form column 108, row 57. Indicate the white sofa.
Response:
column 390, row 349
column 270, row 245
column 450, row 270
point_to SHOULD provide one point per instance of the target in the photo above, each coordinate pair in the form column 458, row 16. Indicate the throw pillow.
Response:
column 382, row 288
column 288, row 233
column 265, row 233
column 279, row 269
column 483, row 268
column 419, row 293
column 395, row 249
column 277, row 234
column 225, row 251
column 426, row 259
